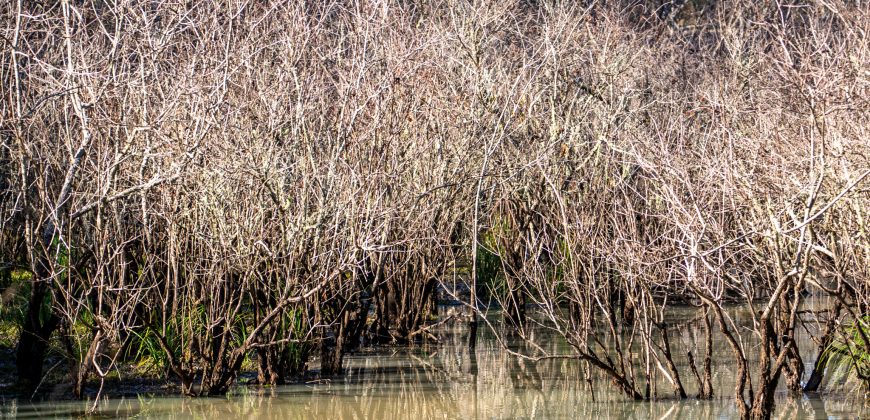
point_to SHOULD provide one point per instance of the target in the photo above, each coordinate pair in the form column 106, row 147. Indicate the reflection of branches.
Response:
column 207, row 187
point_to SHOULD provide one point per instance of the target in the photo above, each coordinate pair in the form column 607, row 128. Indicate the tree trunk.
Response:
column 818, row 372
column 794, row 372
column 763, row 403
column 83, row 366
column 269, row 367
column 35, row 334
column 679, row 390
column 331, row 356
column 516, row 310
column 708, row 358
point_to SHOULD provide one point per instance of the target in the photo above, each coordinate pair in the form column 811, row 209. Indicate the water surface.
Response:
column 442, row 379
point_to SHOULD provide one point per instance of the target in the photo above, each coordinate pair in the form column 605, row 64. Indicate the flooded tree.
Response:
column 203, row 191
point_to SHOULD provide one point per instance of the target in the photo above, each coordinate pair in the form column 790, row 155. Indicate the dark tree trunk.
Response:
column 346, row 335
column 708, row 358
column 818, row 373
column 270, row 369
column 515, row 312
column 432, row 306
column 38, row 327
column 331, row 356
column 35, row 335
column 679, row 390
column 472, row 332
column 357, row 322
column 793, row 368
column 794, row 371
column 400, row 308
column 384, row 314
column 763, row 402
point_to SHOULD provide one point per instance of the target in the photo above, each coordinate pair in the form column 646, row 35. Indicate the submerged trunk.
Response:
column 679, row 390
column 763, row 401
column 818, row 373
column 269, row 367
column 346, row 336
column 794, row 371
column 515, row 312
column 401, row 308
column 331, row 356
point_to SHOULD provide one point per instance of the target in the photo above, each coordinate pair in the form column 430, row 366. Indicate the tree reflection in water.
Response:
column 443, row 380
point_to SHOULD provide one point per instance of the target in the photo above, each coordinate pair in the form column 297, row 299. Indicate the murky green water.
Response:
column 443, row 380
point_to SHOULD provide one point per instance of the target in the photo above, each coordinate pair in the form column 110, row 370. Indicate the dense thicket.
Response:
column 209, row 182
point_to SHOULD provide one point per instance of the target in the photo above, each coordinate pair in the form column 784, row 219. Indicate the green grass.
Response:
column 13, row 302
column 489, row 268
column 848, row 355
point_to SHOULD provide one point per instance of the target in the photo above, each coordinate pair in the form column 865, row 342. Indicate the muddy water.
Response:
column 441, row 379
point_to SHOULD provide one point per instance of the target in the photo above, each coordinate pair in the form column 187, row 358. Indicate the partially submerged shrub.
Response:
column 202, row 188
